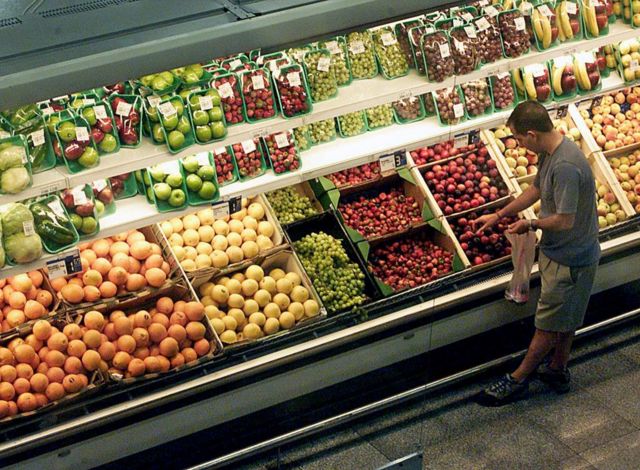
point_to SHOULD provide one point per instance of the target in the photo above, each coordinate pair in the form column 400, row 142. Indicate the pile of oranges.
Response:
column 23, row 298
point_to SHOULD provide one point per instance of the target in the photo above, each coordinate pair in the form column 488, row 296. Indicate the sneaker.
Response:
column 502, row 391
column 558, row 380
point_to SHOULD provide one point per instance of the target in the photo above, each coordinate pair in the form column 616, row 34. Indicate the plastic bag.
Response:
column 523, row 250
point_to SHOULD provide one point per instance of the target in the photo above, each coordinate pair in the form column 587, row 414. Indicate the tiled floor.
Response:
column 596, row 426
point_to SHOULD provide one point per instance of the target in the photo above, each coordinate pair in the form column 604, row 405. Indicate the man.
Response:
column 569, row 249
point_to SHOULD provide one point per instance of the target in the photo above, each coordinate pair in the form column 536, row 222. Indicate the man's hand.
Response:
column 521, row 226
column 485, row 222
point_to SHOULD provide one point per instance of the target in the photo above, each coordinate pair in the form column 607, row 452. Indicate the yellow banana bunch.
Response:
column 581, row 74
column 530, row 85
column 564, row 20
column 517, row 78
column 591, row 23
column 556, row 79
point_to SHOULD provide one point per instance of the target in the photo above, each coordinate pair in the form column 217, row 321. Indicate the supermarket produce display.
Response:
column 197, row 218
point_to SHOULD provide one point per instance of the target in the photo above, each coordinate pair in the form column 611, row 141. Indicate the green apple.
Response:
column 162, row 191
column 167, row 77
column 206, row 172
column 203, row 133
column 108, row 144
column 194, row 183
column 152, row 113
column 200, row 118
column 89, row 157
column 207, row 191
column 77, row 103
column 190, row 78
column 190, row 164
column 51, row 124
column 90, row 115
column 218, row 130
column 148, row 79
column 89, row 225
column 138, row 175
column 184, row 125
column 184, row 94
column 194, row 101
column 177, row 103
column 215, row 96
column 171, row 122
column 196, row 69
column 175, row 180
column 215, row 114
column 177, row 198
column 157, row 133
column 159, row 84
column 67, row 131
column 157, row 174
column 76, row 220
column 175, row 139
column 99, row 207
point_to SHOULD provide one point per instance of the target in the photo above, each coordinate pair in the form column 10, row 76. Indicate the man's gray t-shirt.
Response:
column 567, row 186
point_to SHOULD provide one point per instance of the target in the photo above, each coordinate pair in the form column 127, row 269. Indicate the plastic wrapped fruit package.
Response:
column 627, row 60
column 409, row 109
column 402, row 34
column 127, row 110
column 77, row 145
column 415, row 40
column 160, row 83
column 15, row 167
column 249, row 159
column 303, row 139
column 322, row 131
column 449, row 106
column 339, row 59
column 103, row 197
column 429, row 104
column 81, row 207
column 257, row 95
column 587, row 72
column 466, row 13
column 361, row 55
column 544, row 23
column 393, row 62
column 235, row 63
column 515, row 37
column 563, row 78
column 123, row 185
column 488, row 33
column 293, row 93
column 205, row 109
column 168, row 190
column 226, row 169
column 477, row 98
column 281, row 148
column 503, row 92
column 322, row 80
column 438, row 59
column 176, row 124
column 352, row 124
column 537, row 83
column 379, row 116
column 595, row 19
column 200, row 178
column 26, row 297
column 569, row 20
column 103, row 127
column 290, row 205
column 228, row 87
column 464, row 41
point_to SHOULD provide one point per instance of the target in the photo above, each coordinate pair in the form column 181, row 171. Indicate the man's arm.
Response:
column 526, row 199
column 553, row 223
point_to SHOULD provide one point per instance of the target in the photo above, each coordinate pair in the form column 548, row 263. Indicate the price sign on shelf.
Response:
column 100, row 112
column 227, row 206
column 37, row 138
column 460, row 141
column 206, row 103
column 82, row 134
column 65, row 265
column 562, row 111
column 393, row 161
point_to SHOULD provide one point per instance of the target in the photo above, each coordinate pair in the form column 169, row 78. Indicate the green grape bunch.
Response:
column 290, row 206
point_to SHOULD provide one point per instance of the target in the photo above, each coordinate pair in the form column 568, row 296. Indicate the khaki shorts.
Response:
column 564, row 295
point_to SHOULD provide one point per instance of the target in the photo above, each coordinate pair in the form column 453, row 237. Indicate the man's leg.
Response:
column 563, row 349
column 541, row 344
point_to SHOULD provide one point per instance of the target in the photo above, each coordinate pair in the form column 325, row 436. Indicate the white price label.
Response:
column 491, row 11
column 82, row 134
column 634, row 65
column 572, row 8
column 444, row 50
column 257, row 81
column 99, row 185
column 170, row 168
column 282, row 140
column 460, row 141
column 220, row 151
column 206, row 103
column 79, row 196
column 88, row 101
column 459, row 45
column 123, row 108
column 294, row 78
column 357, row 47
column 482, row 24
column 248, row 146
column 538, row 71
column 519, row 23
column 167, row 109
column 387, row 164
column 37, row 138
column 298, row 55
column 323, row 64
column 202, row 158
column 457, row 22
column 225, row 90
column 562, row 61
column 56, row 207
column 28, row 228
column 503, row 75
column 466, row 16
column 333, row 47
column 48, row 111
column 458, row 110
column 234, row 64
column 545, row 10
column 388, row 39
column 100, row 112
column 220, row 209
column 587, row 58
column 60, row 98
column 153, row 100
column 471, row 32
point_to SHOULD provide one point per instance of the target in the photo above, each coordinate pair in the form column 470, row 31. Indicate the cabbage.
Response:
column 23, row 249
column 14, row 180
column 12, row 157
column 14, row 217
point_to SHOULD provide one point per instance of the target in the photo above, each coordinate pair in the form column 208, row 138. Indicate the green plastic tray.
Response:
column 136, row 101
column 72, row 165
column 114, row 129
column 193, row 199
column 49, row 245
column 303, row 82
column 193, row 126
column 20, row 141
column 189, row 137
column 164, row 206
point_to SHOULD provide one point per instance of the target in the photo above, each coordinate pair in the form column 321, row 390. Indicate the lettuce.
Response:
column 23, row 249
column 14, row 180
column 14, row 218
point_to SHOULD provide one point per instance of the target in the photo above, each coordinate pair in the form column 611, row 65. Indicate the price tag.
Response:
column 37, row 138
column 234, row 64
column 153, row 100
column 202, row 158
column 388, row 39
column 323, row 64
column 634, row 65
column 88, row 101
column 503, row 75
column 459, row 45
column 28, row 228
column 167, row 109
column 60, row 98
column 47, row 111
column 526, row 8
column 123, row 108
column 357, row 47
column 257, row 81
column 562, row 61
column 572, row 8
column 206, row 102
column 545, row 10
column 333, row 47
column 248, row 146
column 444, row 50
column 100, row 112
column 471, row 32
column 220, row 151
column 553, row 113
column 458, row 110
column 538, row 71
column 491, row 11
column 429, row 29
column 461, row 140
column 482, row 24
column 220, row 209
column 393, row 161
column 298, row 55
column 235, row 204
column 225, row 90
column 56, row 207
column 79, row 196
column 99, row 185
column 82, row 134
column 465, row 15
column 52, row 188
column 519, row 23
column 65, row 265
column 294, row 78
column 170, row 168
column 282, row 140
column 457, row 22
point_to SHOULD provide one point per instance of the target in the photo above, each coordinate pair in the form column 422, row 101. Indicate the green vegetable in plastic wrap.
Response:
column 11, row 156
column 14, row 217
column 15, row 180
column 23, row 248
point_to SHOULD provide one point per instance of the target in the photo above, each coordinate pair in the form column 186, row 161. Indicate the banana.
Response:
column 517, row 78
column 565, row 24
column 556, row 80
column 561, row 36
column 546, row 31
column 537, row 25
column 581, row 75
column 590, row 17
column 530, row 86
column 507, row 5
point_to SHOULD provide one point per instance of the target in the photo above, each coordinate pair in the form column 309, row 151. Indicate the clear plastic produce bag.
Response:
column 523, row 249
